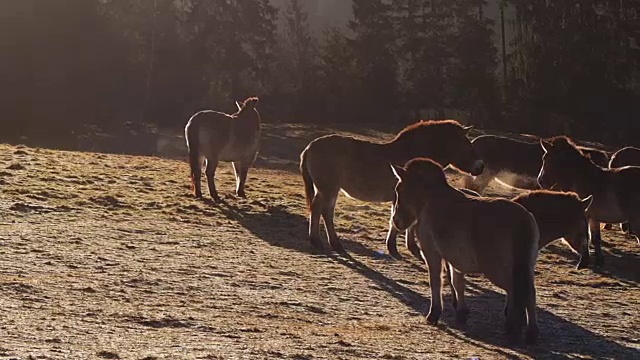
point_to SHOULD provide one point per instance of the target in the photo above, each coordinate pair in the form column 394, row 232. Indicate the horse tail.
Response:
column 191, row 134
column 525, row 253
column 309, row 189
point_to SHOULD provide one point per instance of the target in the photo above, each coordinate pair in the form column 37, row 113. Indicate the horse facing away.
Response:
column 514, row 162
column 361, row 169
column 616, row 196
column 215, row 136
column 496, row 237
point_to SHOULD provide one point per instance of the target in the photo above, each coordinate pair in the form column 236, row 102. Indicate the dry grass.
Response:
column 108, row 257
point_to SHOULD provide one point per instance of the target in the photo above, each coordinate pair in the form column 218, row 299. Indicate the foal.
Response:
column 616, row 196
column 217, row 136
column 361, row 169
column 496, row 237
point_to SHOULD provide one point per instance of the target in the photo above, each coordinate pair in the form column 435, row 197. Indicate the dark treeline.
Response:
column 572, row 67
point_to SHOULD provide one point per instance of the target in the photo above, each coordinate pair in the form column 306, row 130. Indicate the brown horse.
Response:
column 361, row 168
column 559, row 215
column 616, row 196
column 496, row 237
column 627, row 156
column 513, row 162
column 217, row 136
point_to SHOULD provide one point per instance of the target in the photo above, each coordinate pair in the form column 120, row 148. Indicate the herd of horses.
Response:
column 572, row 189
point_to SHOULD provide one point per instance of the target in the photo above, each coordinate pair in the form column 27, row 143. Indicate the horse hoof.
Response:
column 462, row 316
column 599, row 261
column 395, row 254
column 241, row 195
column 532, row 336
column 316, row 243
column 433, row 318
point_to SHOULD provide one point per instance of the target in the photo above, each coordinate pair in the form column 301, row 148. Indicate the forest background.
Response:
column 568, row 67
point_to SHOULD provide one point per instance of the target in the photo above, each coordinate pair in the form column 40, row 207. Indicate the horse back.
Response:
column 624, row 183
column 483, row 234
column 505, row 154
column 358, row 167
column 627, row 156
column 224, row 136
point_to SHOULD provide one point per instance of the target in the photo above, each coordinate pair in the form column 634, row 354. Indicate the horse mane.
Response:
column 562, row 142
column 534, row 193
column 426, row 124
column 425, row 167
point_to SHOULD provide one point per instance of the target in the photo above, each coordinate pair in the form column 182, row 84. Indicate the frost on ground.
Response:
column 108, row 257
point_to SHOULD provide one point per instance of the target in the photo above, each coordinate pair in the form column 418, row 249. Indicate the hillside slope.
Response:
column 108, row 256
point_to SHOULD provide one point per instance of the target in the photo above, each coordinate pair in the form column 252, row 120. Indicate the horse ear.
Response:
column 586, row 202
column 238, row 105
column 398, row 171
column 546, row 145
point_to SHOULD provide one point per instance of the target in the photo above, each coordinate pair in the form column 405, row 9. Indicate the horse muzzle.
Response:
column 477, row 168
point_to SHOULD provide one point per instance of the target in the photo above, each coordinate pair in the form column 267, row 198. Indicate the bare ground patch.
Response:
column 137, row 269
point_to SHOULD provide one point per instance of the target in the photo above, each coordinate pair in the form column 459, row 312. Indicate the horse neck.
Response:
column 401, row 151
column 589, row 177
column 438, row 197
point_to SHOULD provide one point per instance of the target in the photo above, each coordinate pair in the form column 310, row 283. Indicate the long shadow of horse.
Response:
column 279, row 227
column 559, row 337
column 619, row 265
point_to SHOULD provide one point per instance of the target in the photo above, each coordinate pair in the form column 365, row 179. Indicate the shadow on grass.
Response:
column 619, row 264
column 279, row 227
column 560, row 338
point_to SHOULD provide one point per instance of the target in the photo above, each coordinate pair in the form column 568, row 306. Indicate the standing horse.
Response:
column 496, row 237
column 559, row 215
column 214, row 136
column 616, row 196
column 627, row 156
column 514, row 162
column 360, row 169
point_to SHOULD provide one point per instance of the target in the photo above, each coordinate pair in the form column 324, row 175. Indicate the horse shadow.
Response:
column 620, row 265
column 559, row 337
column 279, row 227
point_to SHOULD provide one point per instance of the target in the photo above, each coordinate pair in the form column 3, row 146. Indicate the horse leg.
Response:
column 634, row 223
column 328, row 211
column 314, row 221
column 196, row 175
column 412, row 245
column 434, row 263
column 594, row 226
column 458, row 283
column 392, row 235
column 240, row 169
column 210, row 171
column 532, row 332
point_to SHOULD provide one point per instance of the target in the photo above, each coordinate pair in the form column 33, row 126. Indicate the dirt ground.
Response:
column 106, row 256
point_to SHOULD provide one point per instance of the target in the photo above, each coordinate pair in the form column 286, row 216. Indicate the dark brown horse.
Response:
column 496, row 237
column 214, row 136
column 616, row 195
column 627, row 156
column 513, row 162
column 361, row 168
